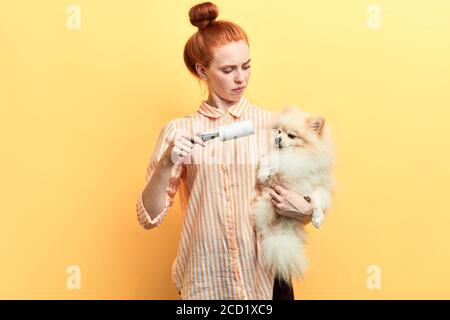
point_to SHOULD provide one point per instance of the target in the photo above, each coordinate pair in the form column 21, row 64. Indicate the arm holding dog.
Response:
column 291, row 204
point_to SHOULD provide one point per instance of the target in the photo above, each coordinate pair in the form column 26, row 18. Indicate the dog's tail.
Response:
column 283, row 252
column 282, row 247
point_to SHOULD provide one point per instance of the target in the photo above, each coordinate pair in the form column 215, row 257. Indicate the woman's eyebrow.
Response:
column 233, row 65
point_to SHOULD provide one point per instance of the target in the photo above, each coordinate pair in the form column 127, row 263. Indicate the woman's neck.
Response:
column 217, row 102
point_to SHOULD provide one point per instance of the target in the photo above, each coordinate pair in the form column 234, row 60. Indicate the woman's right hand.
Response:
column 181, row 146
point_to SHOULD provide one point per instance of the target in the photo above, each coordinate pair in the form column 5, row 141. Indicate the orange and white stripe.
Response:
column 219, row 256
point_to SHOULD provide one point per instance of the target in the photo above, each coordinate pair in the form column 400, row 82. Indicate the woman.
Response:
column 219, row 256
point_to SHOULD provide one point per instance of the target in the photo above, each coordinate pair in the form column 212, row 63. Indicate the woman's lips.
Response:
column 239, row 90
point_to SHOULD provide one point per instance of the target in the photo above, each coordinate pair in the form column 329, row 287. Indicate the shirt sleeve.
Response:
column 166, row 135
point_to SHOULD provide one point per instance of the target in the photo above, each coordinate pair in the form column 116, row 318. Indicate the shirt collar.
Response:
column 235, row 110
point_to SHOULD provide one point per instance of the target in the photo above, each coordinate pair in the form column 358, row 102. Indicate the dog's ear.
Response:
column 274, row 119
column 316, row 124
column 289, row 108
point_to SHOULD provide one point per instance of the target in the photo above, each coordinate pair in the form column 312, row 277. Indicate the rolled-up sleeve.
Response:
column 166, row 135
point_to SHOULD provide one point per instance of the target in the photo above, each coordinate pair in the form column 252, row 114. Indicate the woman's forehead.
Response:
column 232, row 53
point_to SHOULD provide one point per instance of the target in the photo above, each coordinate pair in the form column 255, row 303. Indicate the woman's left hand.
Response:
column 291, row 204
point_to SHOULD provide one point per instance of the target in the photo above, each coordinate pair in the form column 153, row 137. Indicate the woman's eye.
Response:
column 292, row 136
column 228, row 70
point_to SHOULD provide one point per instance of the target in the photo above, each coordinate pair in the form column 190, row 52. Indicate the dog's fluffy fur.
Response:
column 301, row 160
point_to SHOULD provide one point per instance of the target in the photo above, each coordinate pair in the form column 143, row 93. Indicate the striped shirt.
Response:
column 219, row 253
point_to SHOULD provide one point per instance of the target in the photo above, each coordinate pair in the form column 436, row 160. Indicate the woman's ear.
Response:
column 201, row 71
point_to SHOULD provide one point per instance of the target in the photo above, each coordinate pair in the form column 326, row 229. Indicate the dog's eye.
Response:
column 279, row 131
column 292, row 136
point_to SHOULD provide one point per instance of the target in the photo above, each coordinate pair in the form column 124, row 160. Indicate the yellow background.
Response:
column 81, row 111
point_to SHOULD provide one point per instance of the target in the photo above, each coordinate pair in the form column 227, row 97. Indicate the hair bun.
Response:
column 203, row 14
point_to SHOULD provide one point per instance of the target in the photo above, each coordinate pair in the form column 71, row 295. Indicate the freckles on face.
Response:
column 230, row 69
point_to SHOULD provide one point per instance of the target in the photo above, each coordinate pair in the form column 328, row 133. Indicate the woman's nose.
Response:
column 239, row 78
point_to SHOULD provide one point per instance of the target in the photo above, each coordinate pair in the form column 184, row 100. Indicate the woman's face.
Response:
column 229, row 69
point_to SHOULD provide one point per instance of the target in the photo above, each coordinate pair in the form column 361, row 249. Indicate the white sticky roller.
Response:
column 231, row 131
column 236, row 130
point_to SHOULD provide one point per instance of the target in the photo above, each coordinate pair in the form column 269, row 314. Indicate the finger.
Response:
column 176, row 158
column 187, row 143
column 277, row 189
column 183, row 147
column 180, row 135
column 277, row 211
column 275, row 196
column 280, row 212
column 276, row 204
column 180, row 152
column 308, row 209
column 198, row 140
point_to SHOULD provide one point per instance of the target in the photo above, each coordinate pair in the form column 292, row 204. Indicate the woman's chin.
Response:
column 236, row 96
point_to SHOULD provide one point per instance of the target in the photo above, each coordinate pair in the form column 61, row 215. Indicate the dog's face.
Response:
column 296, row 129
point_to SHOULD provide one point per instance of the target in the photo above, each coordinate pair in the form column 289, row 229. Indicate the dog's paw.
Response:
column 263, row 175
column 317, row 218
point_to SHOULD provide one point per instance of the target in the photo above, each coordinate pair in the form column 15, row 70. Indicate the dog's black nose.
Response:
column 278, row 140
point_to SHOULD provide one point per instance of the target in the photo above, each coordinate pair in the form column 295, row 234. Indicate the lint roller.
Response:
column 230, row 131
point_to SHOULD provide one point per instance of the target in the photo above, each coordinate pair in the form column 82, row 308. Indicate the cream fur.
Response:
column 302, row 164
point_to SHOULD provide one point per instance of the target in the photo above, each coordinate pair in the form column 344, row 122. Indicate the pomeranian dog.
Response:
column 301, row 160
